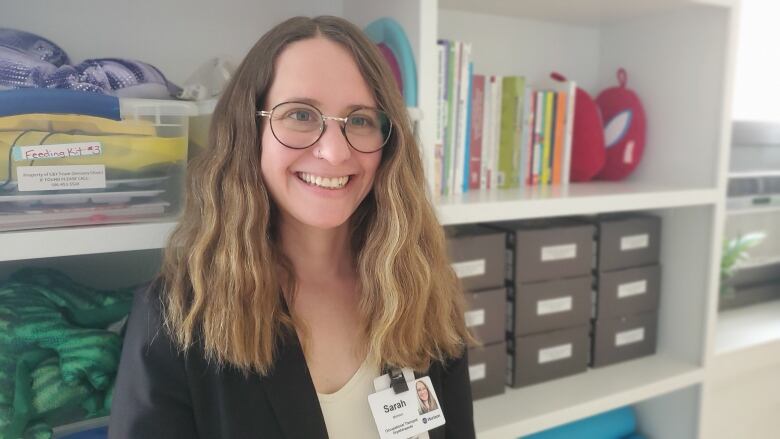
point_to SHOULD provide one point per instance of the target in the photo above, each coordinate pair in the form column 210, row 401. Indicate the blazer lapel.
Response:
column 291, row 392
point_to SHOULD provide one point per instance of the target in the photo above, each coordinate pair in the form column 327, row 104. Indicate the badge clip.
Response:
column 397, row 380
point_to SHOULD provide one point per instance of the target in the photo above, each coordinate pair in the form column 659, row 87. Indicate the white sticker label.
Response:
column 634, row 242
column 552, row 306
column 475, row 317
column 477, row 372
column 559, row 252
column 555, row 353
column 469, row 268
column 632, row 289
column 57, row 178
column 58, row 151
column 629, row 337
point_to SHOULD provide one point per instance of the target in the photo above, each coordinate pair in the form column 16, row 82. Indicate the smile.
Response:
column 324, row 182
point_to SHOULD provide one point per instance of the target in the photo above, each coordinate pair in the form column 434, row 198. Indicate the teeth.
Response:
column 325, row 182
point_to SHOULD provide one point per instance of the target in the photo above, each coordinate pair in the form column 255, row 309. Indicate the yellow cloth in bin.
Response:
column 123, row 152
column 71, row 122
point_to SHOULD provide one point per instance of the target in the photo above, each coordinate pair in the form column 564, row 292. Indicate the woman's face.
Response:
column 324, row 74
column 422, row 391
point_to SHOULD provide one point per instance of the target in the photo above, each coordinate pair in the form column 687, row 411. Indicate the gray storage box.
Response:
column 628, row 241
column 547, row 250
column 485, row 315
column 627, row 292
column 624, row 338
column 549, row 305
column 487, row 370
column 541, row 357
column 477, row 255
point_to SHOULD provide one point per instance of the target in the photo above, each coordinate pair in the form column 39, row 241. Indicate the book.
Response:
column 476, row 131
column 525, row 136
column 496, row 94
column 538, row 139
column 441, row 118
column 487, row 123
column 509, row 142
column 559, row 135
column 449, row 144
column 547, row 137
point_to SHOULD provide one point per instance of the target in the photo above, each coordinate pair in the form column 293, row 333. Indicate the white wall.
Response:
column 175, row 36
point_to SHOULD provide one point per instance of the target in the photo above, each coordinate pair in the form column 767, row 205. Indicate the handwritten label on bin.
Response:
column 58, row 151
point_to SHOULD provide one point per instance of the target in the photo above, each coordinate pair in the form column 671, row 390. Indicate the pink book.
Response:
column 475, row 150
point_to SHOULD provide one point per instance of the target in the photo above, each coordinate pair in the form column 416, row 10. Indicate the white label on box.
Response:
column 475, row 317
column 477, row 372
column 555, row 353
column 469, row 268
column 633, row 242
column 58, row 178
column 629, row 337
column 559, row 252
column 58, row 151
column 632, row 288
column 552, row 306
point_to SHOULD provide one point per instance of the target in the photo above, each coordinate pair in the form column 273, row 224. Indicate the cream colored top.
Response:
column 346, row 411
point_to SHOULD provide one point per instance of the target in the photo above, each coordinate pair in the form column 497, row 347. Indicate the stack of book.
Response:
column 498, row 132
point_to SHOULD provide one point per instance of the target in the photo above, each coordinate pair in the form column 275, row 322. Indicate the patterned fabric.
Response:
column 27, row 60
column 57, row 362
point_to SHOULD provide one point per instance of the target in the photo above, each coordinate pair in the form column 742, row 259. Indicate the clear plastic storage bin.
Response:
column 72, row 158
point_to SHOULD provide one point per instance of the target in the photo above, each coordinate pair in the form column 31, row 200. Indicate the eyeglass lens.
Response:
column 299, row 125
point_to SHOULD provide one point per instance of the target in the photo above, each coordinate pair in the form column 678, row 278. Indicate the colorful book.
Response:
column 559, row 135
column 496, row 94
column 441, row 119
column 476, row 131
column 452, row 89
column 464, row 100
column 538, row 139
column 547, row 137
column 467, row 131
column 525, row 136
column 529, row 145
column 511, row 105
column 487, row 121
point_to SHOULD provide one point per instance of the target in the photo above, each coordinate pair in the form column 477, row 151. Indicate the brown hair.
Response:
column 221, row 279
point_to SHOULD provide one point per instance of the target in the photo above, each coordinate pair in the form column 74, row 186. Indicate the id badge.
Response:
column 408, row 414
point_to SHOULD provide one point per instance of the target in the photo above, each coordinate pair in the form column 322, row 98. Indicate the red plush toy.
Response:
column 587, row 148
column 624, row 129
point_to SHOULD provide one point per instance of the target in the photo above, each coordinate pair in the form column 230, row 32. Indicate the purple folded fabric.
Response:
column 33, row 45
column 24, row 64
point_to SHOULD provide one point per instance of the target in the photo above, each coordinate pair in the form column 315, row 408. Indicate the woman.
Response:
column 306, row 262
column 424, row 397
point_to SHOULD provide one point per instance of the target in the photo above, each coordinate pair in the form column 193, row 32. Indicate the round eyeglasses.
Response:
column 299, row 125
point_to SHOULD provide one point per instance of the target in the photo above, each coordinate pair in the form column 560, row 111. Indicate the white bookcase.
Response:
column 679, row 56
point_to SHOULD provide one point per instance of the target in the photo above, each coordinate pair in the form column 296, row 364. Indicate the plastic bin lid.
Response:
column 156, row 107
column 206, row 106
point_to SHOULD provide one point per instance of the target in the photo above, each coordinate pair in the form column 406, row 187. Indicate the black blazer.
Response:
column 161, row 393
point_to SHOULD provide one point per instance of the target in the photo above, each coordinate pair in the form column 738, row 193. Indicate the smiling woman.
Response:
column 307, row 261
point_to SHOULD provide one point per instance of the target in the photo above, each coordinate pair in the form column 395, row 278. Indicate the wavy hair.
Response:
column 225, row 280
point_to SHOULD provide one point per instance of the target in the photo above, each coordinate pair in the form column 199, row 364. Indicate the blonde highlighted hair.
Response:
column 224, row 272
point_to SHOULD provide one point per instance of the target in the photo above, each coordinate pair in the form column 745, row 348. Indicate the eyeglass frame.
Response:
column 323, row 126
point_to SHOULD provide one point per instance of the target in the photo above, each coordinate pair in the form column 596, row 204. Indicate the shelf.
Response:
column 76, row 427
column 576, row 199
column 46, row 243
column 748, row 327
column 589, row 12
column 524, row 411
column 755, row 173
